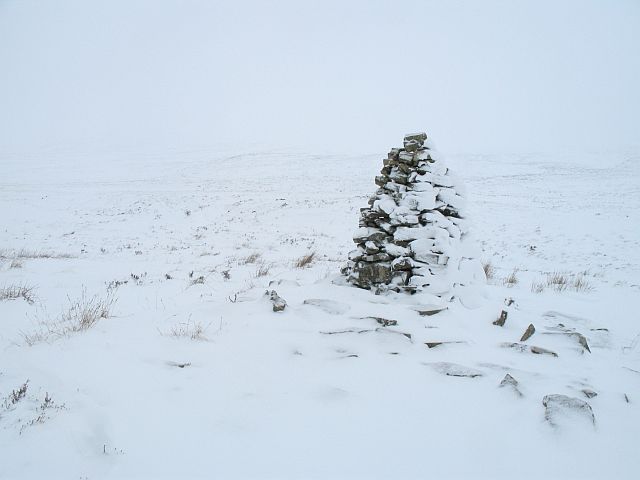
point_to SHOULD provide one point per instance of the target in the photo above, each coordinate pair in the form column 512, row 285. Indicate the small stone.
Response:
column 381, row 180
column 437, row 344
column 278, row 302
column 428, row 312
column 385, row 322
column 528, row 333
column 501, row 319
column 508, row 380
column 542, row 351
column 522, row 347
column 589, row 393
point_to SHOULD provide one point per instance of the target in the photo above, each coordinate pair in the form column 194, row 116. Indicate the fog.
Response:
column 330, row 76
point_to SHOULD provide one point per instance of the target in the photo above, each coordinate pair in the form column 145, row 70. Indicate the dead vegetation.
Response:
column 24, row 254
column 511, row 279
column 15, row 396
column 305, row 260
column 13, row 292
column 489, row 270
column 16, row 263
column 253, row 258
column 262, row 270
column 560, row 282
column 191, row 330
column 537, row 287
column 80, row 315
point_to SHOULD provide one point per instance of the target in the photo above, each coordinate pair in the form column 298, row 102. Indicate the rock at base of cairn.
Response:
column 413, row 234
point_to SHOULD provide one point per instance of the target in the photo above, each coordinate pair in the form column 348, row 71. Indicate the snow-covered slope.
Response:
column 185, row 243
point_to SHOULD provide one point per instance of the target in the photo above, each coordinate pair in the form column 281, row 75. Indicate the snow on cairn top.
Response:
column 413, row 236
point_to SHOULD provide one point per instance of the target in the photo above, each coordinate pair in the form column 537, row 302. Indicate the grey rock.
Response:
column 542, row 351
column 557, row 406
column 578, row 337
column 509, row 382
column 430, row 311
column 589, row 393
column 500, row 321
column 528, row 333
column 385, row 322
column 370, row 274
column 522, row 347
column 411, row 145
column 419, row 137
column 279, row 304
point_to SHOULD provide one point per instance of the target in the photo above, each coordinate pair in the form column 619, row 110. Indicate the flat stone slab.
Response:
column 455, row 370
column 437, row 344
column 558, row 406
column 428, row 311
column 328, row 306
column 524, row 348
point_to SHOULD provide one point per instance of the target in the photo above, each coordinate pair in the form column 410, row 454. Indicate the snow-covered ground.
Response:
column 185, row 243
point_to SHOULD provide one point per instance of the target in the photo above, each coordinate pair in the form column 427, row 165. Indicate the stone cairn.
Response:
column 411, row 237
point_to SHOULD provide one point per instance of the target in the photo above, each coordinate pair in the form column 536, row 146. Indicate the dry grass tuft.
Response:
column 262, row 270
column 30, row 254
column 14, row 292
column 190, row 330
column 511, row 279
column 305, row 260
column 580, row 284
column 15, row 396
column 537, row 287
column 561, row 282
column 489, row 270
column 557, row 281
column 80, row 315
column 253, row 258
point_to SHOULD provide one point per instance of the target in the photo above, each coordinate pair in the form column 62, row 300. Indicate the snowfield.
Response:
column 188, row 373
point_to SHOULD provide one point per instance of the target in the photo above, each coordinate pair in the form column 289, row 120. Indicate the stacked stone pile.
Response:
column 411, row 236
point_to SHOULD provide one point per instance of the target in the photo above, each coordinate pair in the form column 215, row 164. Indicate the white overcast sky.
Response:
column 479, row 76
